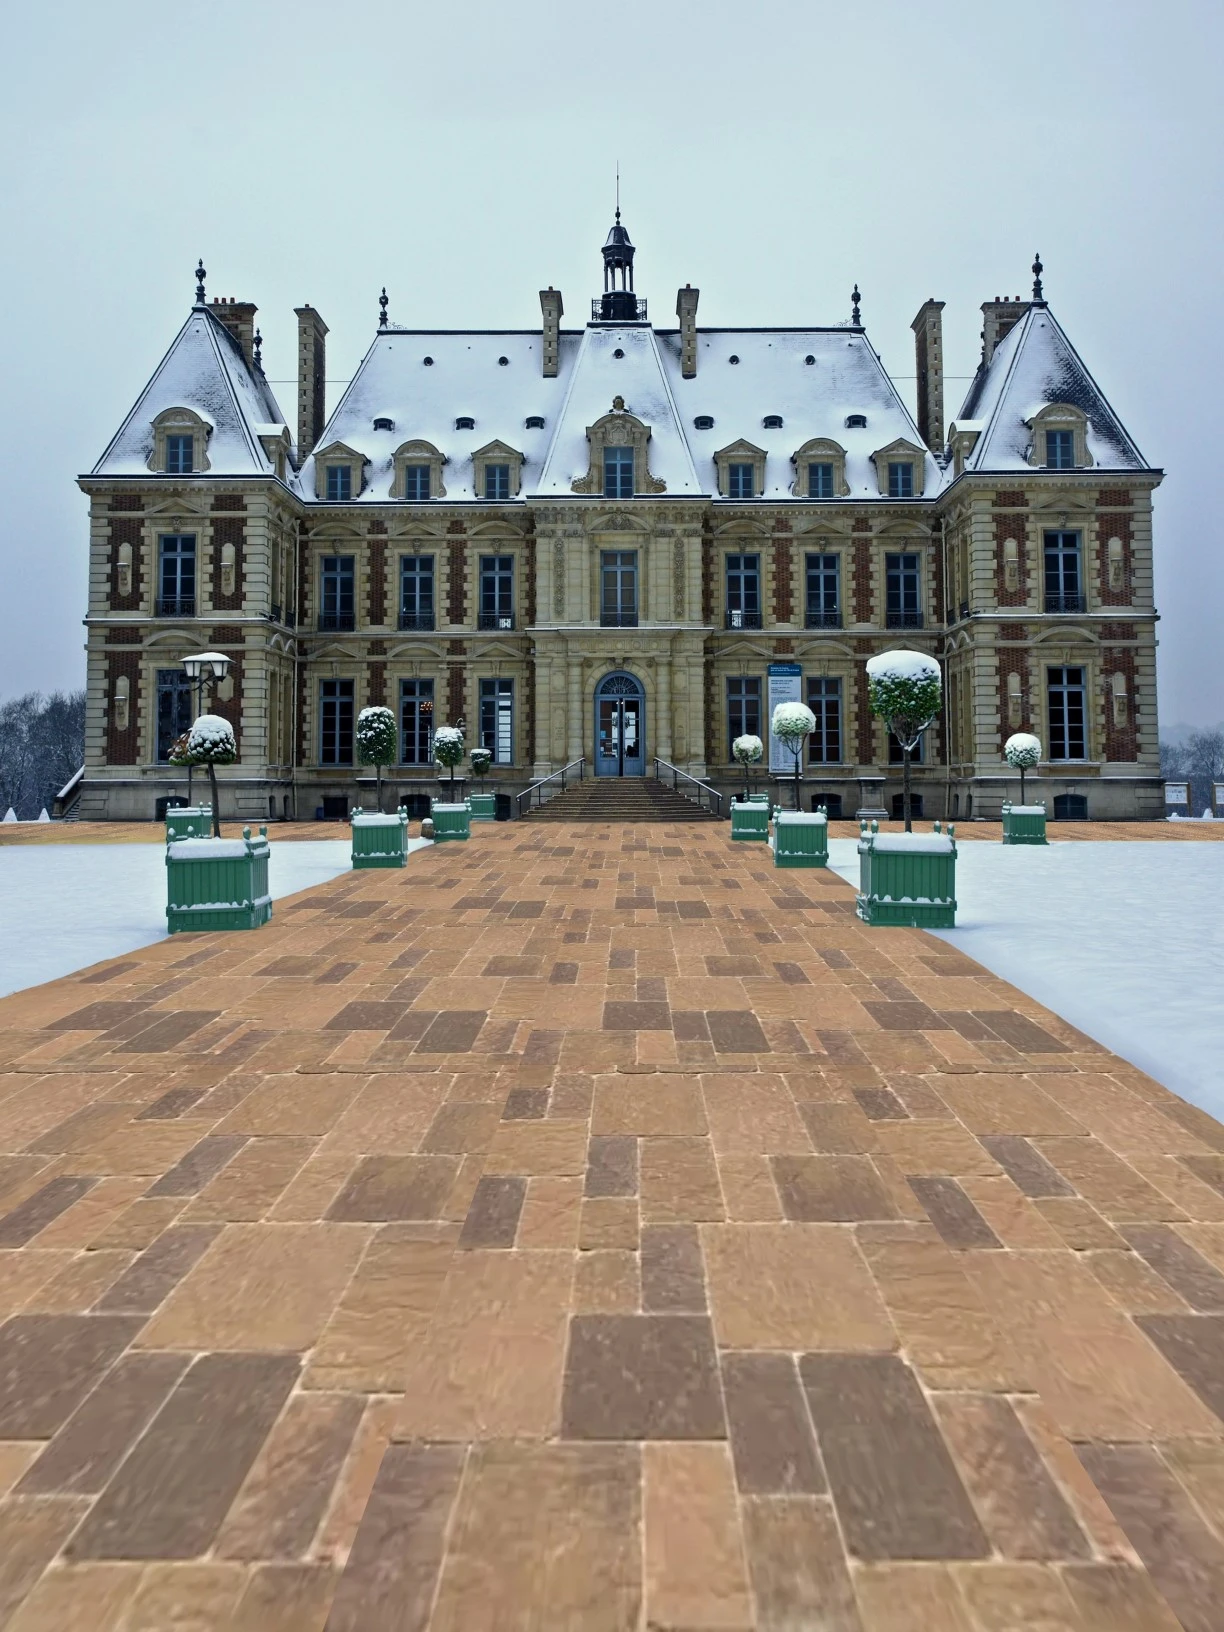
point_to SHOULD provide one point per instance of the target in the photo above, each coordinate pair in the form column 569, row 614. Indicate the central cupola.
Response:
column 618, row 304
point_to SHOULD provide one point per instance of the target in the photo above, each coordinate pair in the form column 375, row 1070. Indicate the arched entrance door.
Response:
column 620, row 726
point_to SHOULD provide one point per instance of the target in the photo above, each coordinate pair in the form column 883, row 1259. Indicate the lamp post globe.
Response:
column 198, row 666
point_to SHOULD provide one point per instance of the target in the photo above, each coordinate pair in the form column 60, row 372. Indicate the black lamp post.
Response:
column 198, row 668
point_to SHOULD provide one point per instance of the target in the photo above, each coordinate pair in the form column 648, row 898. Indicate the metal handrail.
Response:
column 703, row 788
column 575, row 764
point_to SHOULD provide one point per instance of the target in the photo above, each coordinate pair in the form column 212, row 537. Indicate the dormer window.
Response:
column 741, row 471
column 416, row 482
column 820, row 481
column 704, row 422
column 465, row 422
column 418, row 472
column 382, row 423
column 497, row 472
column 740, row 481
column 856, row 422
column 339, row 483
column 1059, row 450
column 900, row 479
column 339, row 472
column 619, row 447
column 900, row 469
column 772, row 422
column 618, row 473
column 820, row 470
column 1060, row 438
column 534, row 422
column 180, row 455
column 497, row 482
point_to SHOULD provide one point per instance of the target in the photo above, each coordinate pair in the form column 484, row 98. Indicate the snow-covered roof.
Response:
column 204, row 370
column 1033, row 366
column 466, row 378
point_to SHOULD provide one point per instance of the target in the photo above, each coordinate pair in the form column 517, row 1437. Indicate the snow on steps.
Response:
column 620, row 799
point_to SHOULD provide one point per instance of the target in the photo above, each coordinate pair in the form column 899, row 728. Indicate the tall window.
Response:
column 497, row 719
column 1068, row 733
column 497, row 481
column 904, row 591
column 496, row 592
column 1060, row 450
column 174, row 709
column 416, row 481
column 896, row 754
column 416, row 592
column 416, row 721
column 618, row 473
column 820, row 481
column 743, row 592
column 1064, row 590
column 176, row 587
column 339, row 483
column 335, row 722
column 901, row 481
column 824, row 700
column 180, row 455
column 743, row 708
column 823, row 598
column 618, row 588
column 336, row 592
column 740, row 481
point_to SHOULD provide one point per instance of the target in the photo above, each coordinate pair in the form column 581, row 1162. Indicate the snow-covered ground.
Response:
column 65, row 906
column 1123, row 939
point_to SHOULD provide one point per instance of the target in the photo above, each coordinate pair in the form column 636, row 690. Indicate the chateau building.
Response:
column 623, row 543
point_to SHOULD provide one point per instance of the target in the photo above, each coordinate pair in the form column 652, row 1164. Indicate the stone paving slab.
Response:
column 587, row 1229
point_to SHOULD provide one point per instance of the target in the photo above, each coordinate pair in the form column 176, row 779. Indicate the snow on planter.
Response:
column 218, row 883
column 1024, row 824
column 750, row 819
column 801, row 838
column 451, row 821
column 378, row 840
column 907, row 879
column 188, row 822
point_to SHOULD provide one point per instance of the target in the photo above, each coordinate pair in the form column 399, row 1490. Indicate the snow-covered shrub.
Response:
column 1022, row 751
column 211, row 742
column 377, row 741
column 481, row 760
column 792, row 724
column 905, row 691
column 448, row 748
column 746, row 751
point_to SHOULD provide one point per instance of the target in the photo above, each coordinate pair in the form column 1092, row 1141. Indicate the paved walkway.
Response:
column 590, row 1230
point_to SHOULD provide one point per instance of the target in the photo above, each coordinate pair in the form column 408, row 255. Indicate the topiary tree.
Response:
column 481, row 759
column 793, row 724
column 1023, row 753
column 905, row 691
column 377, row 742
column 747, row 751
column 448, row 749
column 211, row 742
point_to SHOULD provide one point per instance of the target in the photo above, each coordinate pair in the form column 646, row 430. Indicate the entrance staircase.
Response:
column 620, row 799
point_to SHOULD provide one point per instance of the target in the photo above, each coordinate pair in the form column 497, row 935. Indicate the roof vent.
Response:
column 809, row 359
column 428, row 361
column 382, row 423
column 772, row 422
column 618, row 353
column 465, row 422
column 856, row 422
column 535, row 422
column 733, row 358
column 502, row 362
column 704, row 422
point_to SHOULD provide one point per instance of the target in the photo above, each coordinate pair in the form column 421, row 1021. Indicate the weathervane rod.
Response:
column 618, row 189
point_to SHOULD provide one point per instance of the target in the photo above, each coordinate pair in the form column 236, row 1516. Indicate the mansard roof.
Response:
column 204, row 370
column 744, row 377
column 1033, row 366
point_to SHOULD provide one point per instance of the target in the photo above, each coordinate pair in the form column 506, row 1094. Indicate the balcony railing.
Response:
column 737, row 618
column 903, row 620
column 416, row 620
column 176, row 606
column 822, row 620
column 495, row 620
column 1066, row 603
column 336, row 622
column 618, row 620
column 623, row 308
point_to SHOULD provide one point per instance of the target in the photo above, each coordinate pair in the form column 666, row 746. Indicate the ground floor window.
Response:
column 174, row 709
column 497, row 719
column 335, row 722
column 743, row 708
column 1068, row 732
column 824, row 700
column 416, row 722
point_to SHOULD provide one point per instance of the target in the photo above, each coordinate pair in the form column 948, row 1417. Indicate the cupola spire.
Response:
column 619, row 303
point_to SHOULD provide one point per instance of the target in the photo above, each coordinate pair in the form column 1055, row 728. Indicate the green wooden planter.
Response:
column 801, row 839
column 380, row 841
column 756, row 799
column 188, row 822
column 907, row 880
column 218, row 883
column 751, row 820
column 484, row 806
column 1024, row 824
column 451, row 821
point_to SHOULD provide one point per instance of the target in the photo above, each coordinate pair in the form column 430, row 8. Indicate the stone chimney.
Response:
column 312, row 378
column 928, row 354
column 237, row 317
column 552, row 308
column 686, row 311
column 999, row 318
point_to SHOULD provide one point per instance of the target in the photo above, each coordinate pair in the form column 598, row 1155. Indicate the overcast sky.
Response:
column 464, row 156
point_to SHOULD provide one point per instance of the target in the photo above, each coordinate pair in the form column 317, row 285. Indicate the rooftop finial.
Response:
column 382, row 304
column 200, row 276
column 856, row 318
column 618, row 189
column 257, row 346
column 1038, row 269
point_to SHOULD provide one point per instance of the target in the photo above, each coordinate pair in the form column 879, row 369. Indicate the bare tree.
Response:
column 42, row 743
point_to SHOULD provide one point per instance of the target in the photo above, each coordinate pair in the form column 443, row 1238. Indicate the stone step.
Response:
column 621, row 800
